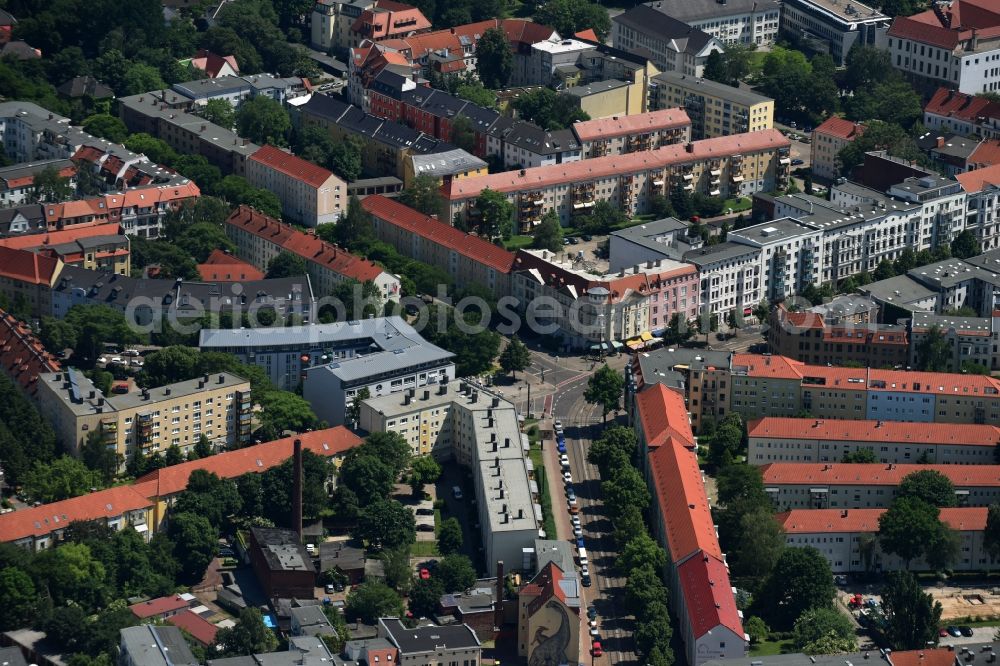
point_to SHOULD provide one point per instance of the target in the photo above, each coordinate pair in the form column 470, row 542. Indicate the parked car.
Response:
column 102, row 359
column 137, row 363
column 575, row 520
column 311, row 548
column 580, row 543
column 424, row 511
column 226, row 552
column 586, row 237
column 942, row 632
column 424, row 573
column 596, row 647
column 586, row 580
column 573, row 509
column 568, row 478
column 425, row 528
column 954, row 631
column 797, row 162
column 557, row 424
column 120, row 389
column 585, row 570
column 456, row 492
column 966, row 631
column 571, row 501
column 573, row 240
column 561, row 447
column 578, row 532
column 329, row 588
column 131, row 352
column 570, row 493
column 118, row 360
column 592, row 612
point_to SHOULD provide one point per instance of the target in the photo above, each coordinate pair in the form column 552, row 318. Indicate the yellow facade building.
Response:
column 715, row 109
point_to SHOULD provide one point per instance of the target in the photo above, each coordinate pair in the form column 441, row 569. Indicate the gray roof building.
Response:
column 691, row 11
column 150, row 645
column 428, row 639
column 646, row 19
column 446, row 163
column 12, row 656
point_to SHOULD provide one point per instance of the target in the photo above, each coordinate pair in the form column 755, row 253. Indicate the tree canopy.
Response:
column 800, row 581
column 912, row 617
column 605, row 388
column 494, row 59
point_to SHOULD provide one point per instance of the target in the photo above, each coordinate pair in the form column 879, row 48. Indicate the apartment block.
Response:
column 444, row 166
column 828, row 139
column 701, row 596
column 829, row 26
column 27, row 278
column 964, row 114
column 702, row 375
column 147, row 420
column 672, row 44
column 715, row 109
column 387, row 19
column 939, row 287
column 309, row 194
column 151, row 645
column 726, row 166
column 22, row 354
column 790, row 255
column 91, row 246
column 823, row 440
column 847, row 538
column 968, row 339
column 619, row 135
column 956, row 46
column 733, row 22
column 259, row 239
column 868, row 486
column 17, row 182
column 468, row 259
column 430, row 644
column 479, row 430
column 982, row 191
column 331, row 21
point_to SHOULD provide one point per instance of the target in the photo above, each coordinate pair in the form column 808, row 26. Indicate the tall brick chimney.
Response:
column 297, row 489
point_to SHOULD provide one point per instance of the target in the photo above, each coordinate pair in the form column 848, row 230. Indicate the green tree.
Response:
column 263, row 120
column 345, row 158
column 370, row 601
column 385, row 524
column 908, row 526
column 101, row 459
column 549, row 109
column 641, row 551
column 19, row 598
column 912, row 617
column 220, row 112
column 398, row 572
column 680, row 201
column 603, row 218
column 369, row 478
column 67, row 627
column 276, row 487
column 282, row 410
column 456, row 572
column 49, row 186
column 863, row 455
column 868, row 66
column 353, row 413
column 424, row 195
column 817, row 624
column 107, row 127
column 495, row 59
column 423, row 470
column 548, row 234
column 878, row 135
column 625, row 489
column 195, row 542
column 715, row 68
column 71, row 573
column 965, row 245
column 61, row 479
column 757, row 629
column 930, row 486
column 463, row 133
column 425, row 596
column 353, row 229
column 450, row 537
column 894, row 102
column 286, row 264
column 569, row 17
column 202, row 238
column 142, row 78
column 933, row 352
column 209, row 496
column 477, row 93
column 515, row 357
column 496, row 214
column 615, row 449
column 390, row 447
column 605, row 388
column 157, row 150
column 759, row 547
column 247, row 637
column 801, row 580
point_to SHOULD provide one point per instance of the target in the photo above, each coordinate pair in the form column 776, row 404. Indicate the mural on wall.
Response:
column 550, row 650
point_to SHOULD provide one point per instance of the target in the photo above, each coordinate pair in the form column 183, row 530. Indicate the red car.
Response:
column 597, row 649
column 424, row 574
column 942, row 632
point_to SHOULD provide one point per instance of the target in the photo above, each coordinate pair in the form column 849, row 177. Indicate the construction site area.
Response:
column 959, row 603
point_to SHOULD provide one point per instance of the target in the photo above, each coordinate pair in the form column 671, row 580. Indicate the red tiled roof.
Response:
column 59, row 237
column 41, row 520
column 930, row 657
column 916, row 29
column 653, row 121
column 775, row 427
column 664, row 416
column 231, row 464
column 26, row 266
column 987, row 153
column 159, row 606
column 290, row 165
column 838, row 127
column 22, row 355
column 307, row 246
column 778, row 367
column 435, row 231
column 587, row 34
column 975, row 181
column 212, row 63
column 954, row 104
column 826, row 521
column 875, row 474
column 223, row 267
column 201, row 629
column 610, row 165
column 708, row 596
column 545, row 585
column 384, row 23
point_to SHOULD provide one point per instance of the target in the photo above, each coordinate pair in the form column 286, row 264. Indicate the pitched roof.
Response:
column 611, row 165
column 438, row 232
column 826, row 521
column 25, row 266
column 158, row 606
column 653, row 121
column 22, row 355
column 588, row 34
column 88, row 86
column 987, row 153
column 977, row 180
column 838, row 127
column 213, row 63
column 647, row 20
column 779, row 367
column 953, row 104
column 69, row 235
column 221, row 266
column 290, row 165
column 258, row 458
column 966, row 434
column 946, row 26
column 664, row 417
column 875, row 474
column 930, row 657
column 203, row 631
column 41, row 520
column 708, row 596
column 307, row 246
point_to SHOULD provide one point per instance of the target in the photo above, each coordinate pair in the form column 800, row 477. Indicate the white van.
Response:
column 583, row 557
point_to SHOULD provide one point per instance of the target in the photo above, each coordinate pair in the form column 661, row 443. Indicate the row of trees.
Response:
column 641, row 559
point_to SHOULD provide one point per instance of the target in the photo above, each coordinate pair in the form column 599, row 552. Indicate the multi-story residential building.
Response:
column 143, row 504
column 477, row 429
column 620, row 135
column 22, row 355
column 868, row 486
column 828, row 139
column 790, row 255
column 967, row 115
column 703, row 374
column 726, row 166
column 259, row 239
column 553, row 597
column 522, row 145
column 27, row 278
column 331, row 21
column 672, row 44
column 733, row 22
column 17, row 182
column 467, row 259
column 847, row 538
column 147, row 420
column 152, row 645
column 802, row 440
column 387, row 19
column 443, row 167
column 91, row 246
column 969, row 339
column 309, row 194
column 715, row 109
column 236, row 90
column 590, row 310
column 956, row 45
column 285, row 353
column 701, row 595
column 659, row 239
column 982, row 192
column 829, row 26
column 731, row 279
column 939, row 287
column 456, row 644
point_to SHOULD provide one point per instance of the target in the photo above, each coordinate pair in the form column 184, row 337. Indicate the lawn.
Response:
column 548, row 522
column 768, row 648
column 424, row 549
column 738, row 205
column 518, row 242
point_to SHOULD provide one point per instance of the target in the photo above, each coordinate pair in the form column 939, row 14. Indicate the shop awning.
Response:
column 646, row 336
